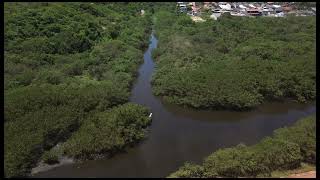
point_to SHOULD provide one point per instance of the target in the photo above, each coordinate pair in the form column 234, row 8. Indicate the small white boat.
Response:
column 150, row 115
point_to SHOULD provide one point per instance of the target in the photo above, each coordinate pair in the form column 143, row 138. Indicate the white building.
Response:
column 226, row 7
column 242, row 6
column 252, row 6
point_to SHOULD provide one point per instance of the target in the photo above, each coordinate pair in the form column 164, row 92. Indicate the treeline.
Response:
column 66, row 66
column 285, row 150
column 234, row 62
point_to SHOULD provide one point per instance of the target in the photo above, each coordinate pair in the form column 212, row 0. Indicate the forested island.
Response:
column 234, row 62
column 69, row 69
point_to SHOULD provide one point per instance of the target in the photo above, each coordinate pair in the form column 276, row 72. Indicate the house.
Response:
column 226, row 7
column 183, row 7
column 233, row 5
column 252, row 6
column 242, row 6
column 236, row 14
column 216, row 10
column 278, row 10
column 266, row 11
column 254, row 12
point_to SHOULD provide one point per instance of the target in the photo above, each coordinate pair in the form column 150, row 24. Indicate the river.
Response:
column 177, row 134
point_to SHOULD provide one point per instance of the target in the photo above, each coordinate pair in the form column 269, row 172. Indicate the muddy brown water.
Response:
column 178, row 134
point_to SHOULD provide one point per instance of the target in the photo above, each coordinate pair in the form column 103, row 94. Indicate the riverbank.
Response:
column 286, row 149
column 306, row 170
column 310, row 174
column 41, row 166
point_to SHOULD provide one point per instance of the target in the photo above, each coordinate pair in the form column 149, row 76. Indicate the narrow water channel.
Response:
column 178, row 135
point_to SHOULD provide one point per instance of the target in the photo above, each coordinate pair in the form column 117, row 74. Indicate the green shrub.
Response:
column 231, row 162
column 274, row 154
column 108, row 132
column 188, row 170
column 50, row 158
column 304, row 135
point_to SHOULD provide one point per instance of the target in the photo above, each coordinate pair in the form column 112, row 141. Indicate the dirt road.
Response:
column 310, row 174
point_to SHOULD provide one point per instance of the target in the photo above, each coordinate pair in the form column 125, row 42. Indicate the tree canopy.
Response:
column 234, row 62
column 67, row 65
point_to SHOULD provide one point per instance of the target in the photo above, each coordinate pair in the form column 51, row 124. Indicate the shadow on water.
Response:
column 179, row 134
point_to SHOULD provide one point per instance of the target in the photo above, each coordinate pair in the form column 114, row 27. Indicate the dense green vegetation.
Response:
column 286, row 149
column 66, row 66
column 106, row 132
column 234, row 62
